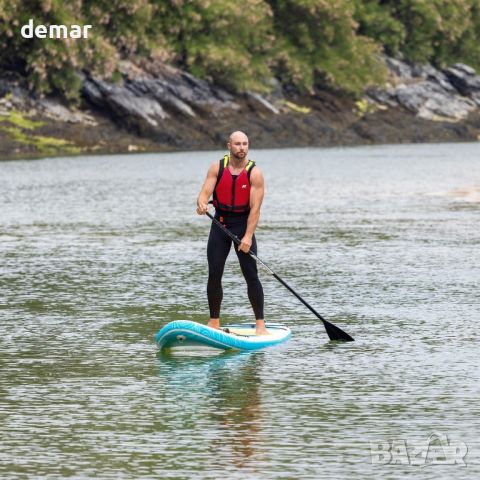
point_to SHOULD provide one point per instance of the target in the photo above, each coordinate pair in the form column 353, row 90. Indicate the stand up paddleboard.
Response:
column 187, row 335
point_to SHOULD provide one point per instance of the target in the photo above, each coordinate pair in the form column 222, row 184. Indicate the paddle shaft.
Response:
column 333, row 331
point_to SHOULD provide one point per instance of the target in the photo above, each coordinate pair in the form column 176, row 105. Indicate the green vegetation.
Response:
column 240, row 45
column 20, row 120
column 437, row 31
column 19, row 128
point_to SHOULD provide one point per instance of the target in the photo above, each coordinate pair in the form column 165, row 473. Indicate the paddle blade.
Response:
column 335, row 333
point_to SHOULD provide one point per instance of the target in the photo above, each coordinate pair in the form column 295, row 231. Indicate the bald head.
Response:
column 238, row 134
column 238, row 146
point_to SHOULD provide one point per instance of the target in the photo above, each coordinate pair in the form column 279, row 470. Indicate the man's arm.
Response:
column 207, row 189
column 257, row 190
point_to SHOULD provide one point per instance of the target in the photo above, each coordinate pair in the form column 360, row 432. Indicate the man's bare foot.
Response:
column 214, row 323
column 262, row 331
column 260, row 328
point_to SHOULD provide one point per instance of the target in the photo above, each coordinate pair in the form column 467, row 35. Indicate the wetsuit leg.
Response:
column 250, row 272
column 218, row 248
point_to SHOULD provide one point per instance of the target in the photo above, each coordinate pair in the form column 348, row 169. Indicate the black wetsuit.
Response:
column 218, row 247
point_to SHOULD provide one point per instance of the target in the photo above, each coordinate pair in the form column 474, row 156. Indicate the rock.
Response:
column 55, row 110
column 256, row 100
column 435, row 109
column 126, row 106
column 5, row 103
column 400, row 69
column 465, row 80
column 4, row 89
column 429, row 72
column 170, row 100
column 145, row 108
column 160, row 93
column 442, row 81
column 201, row 95
column 134, row 148
column 432, row 94
column 382, row 96
column 430, row 101
column 276, row 91
column 466, row 69
column 423, row 70
column 92, row 92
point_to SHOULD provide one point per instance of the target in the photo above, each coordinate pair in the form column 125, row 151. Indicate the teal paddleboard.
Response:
column 186, row 335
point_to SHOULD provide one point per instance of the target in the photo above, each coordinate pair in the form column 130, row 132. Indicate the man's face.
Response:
column 238, row 146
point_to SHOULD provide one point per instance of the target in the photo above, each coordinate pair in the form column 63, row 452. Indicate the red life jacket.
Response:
column 232, row 195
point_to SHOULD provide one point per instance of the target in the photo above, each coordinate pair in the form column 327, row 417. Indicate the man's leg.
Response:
column 255, row 289
column 218, row 248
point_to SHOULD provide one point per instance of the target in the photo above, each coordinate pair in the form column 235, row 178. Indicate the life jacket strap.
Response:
column 248, row 167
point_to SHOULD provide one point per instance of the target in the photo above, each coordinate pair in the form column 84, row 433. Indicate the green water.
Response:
column 97, row 253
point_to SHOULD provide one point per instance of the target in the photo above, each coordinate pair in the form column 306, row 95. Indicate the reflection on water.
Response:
column 97, row 253
column 227, row 386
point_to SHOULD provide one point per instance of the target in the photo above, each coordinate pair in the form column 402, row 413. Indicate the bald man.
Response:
column 237, row 186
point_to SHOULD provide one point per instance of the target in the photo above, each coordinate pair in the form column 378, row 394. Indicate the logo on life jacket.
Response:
column 232, row 193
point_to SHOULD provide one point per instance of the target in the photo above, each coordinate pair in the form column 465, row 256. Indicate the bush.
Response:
column 317, row 42
column 240, row 45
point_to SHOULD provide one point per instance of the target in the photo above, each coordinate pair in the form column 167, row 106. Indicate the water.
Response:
column 97, row 253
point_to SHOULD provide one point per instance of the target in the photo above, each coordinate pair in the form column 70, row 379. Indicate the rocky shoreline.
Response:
column 157, row 108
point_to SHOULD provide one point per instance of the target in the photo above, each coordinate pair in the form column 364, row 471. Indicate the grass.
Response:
column 20, row 128
column 19, row 120
column 364, row 107
column 297, row 108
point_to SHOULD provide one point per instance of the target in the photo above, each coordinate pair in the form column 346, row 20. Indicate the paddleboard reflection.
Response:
column 225, row 391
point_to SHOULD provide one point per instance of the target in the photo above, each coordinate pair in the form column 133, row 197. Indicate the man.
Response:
column 237, row 186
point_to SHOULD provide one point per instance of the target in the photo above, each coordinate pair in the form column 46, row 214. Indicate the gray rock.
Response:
column 429, row 72
column 400, row 69
column 466, row 69
column 464, row 79
column 276, row 91
column 170, row 100
column 149, row 98
column 442, row 81
column 429, row 100
column 476, row 98
column 92, row 92
column 423, row 70
column 412, row 96
column 124, row 102
column 256, row 99
column 201, row 95
column 435, row 108
column 126, row 105
column 54, row 109
column 383, row 96
column 430, row 93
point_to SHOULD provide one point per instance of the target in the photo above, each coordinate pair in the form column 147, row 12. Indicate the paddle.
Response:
column 333, row 332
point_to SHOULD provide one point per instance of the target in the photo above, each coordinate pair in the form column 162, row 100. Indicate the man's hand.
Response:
column 202, row 208
column 245, row 244
column 207, row 189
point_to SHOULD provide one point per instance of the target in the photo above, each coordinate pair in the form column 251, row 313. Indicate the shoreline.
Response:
column 52, row 139
column 219, row 150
